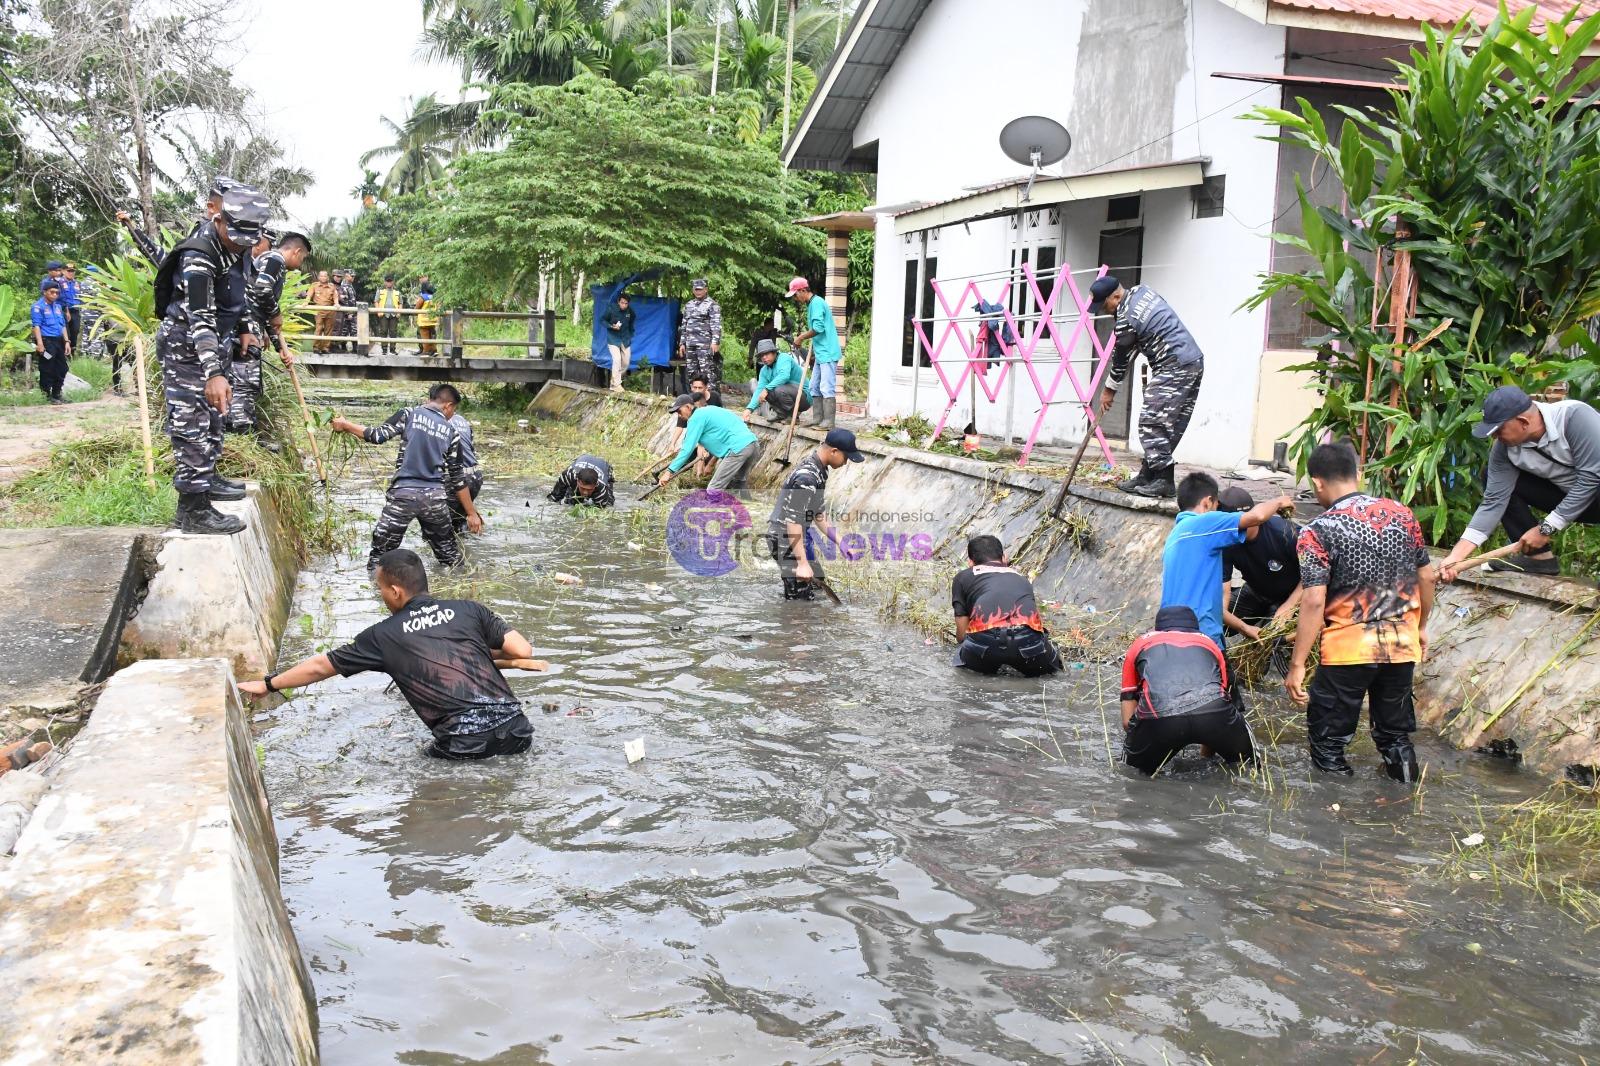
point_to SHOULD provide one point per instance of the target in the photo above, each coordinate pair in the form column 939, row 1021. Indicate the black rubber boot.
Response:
column 1136, row 480
column 1400, row 763
column 223, row 489
column 196, row 515
column 1158, row 485
column 1521, row 564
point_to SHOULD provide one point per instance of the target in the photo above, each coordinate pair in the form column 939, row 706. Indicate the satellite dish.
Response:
column 1035, row 141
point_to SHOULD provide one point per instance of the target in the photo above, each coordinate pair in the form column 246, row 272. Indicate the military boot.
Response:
column 1136, row 480
column 1158, row 484
column 196, row 515
column 223, row 489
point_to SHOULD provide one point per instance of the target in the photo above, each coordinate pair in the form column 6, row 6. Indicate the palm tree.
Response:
column 421, row 147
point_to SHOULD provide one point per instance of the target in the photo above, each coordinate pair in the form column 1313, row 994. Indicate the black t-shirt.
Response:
column 1270, row 563
column 801, row 499
column 994, row 597
column 439, row 654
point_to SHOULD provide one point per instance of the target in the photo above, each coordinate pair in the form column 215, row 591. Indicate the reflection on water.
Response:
column 837, row 850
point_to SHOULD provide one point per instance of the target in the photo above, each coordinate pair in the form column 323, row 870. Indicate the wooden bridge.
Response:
column 444, row 368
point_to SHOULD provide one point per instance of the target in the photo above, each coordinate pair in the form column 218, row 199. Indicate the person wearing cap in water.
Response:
column 997, row 618
column 1269, row 563
column 1147, row 324
column 288, row 251
column 586, row 482
column 724, row 436
column 779, row 383
column 801, row 505
column 445, row 657
column 385, row 321
column 1176, row 692
column 822, row 335
column 1546, row 457
column 50, row 342
column 190, row 347
column 700, row 335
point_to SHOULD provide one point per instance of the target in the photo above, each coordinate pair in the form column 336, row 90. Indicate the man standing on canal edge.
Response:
column 1368, row 591
column 192, row 280
column 821, row 335
column 428, row 466
column 1145, row 323
column 800, row 505
column 444, row 656
column 700, row 336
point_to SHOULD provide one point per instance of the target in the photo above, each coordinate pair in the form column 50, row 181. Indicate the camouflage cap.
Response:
column 246, row 205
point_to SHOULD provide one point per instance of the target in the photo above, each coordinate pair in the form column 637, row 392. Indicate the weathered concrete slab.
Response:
column 1490, row 634
column 216, row 596
column 141, row 920
column 70, row 589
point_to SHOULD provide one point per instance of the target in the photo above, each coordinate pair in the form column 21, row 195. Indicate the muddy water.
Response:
column 836, row 850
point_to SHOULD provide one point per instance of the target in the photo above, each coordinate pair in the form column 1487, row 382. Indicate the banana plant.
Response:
column 1484, row 165
column 14, row 324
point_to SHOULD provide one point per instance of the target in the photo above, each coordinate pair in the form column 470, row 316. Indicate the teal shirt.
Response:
column 783, row 371
column 819, row 319
column 718, row 430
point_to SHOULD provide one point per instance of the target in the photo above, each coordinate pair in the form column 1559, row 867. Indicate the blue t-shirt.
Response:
column 819, row 319
column 1191, row 565
column 51, row 318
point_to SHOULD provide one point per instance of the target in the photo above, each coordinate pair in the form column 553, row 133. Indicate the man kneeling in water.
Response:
column 997, row 618
column 1175, row 693
column 445, row 656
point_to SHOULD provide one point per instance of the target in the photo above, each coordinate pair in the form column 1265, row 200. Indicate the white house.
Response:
column 1164, row 183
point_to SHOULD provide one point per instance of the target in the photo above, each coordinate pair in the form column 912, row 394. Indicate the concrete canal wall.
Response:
column 1516, row 643
column 140, row 916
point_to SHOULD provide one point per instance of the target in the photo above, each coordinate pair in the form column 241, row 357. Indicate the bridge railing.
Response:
column 450, row 336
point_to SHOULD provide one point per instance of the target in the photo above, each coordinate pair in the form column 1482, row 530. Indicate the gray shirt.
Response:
column 1568, row 455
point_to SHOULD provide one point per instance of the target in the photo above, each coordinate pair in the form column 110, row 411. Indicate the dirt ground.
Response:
column 28, row 433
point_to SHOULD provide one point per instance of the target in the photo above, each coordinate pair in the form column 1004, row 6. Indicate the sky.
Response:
column 323, row 72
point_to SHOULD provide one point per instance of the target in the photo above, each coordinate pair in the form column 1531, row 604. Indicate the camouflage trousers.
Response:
column 194, row 425
column 700, row 361
column 425, row 505
column 245, row 376
column 1168, row 406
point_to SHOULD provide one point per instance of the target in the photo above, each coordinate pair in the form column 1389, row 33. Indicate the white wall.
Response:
column 936, row 125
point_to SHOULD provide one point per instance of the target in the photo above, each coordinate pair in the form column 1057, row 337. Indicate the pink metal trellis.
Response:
column 973, row 358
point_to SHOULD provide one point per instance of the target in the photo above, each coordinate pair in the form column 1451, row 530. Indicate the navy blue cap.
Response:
column 845, row 441
column 54, row 264
column 1178, row 619
column 1102, row 287
column 1500, row 406
column 50, row 283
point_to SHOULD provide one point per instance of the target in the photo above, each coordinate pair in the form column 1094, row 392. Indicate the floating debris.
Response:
column 634, row 749
column 1472, row 840
column 567, row 579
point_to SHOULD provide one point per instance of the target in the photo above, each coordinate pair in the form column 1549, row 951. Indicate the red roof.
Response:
column 1440, row 12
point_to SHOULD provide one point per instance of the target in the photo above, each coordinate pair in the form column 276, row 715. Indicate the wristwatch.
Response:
column 268, row 682
column 1547, row 529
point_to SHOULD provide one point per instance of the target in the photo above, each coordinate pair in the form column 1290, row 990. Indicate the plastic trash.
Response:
column 1472, row 840
column 634, row 749
column 567, row 579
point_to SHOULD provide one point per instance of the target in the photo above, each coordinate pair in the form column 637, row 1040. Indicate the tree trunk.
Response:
column 788, row 70
column 577, row 298
column 716, row 47
column 144, row 166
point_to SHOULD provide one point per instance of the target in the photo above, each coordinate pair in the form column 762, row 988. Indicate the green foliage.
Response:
column 420, row 148
column 15, row 324
column 365, row 244
column 612, row 183
column 1482, row 172
column 124, row 297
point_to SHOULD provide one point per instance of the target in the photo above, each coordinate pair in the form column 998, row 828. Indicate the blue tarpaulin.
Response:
column 655, row 325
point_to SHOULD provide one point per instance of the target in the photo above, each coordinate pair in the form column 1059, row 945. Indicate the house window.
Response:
column 918, row 308
column 1206, row 198
column 1038, row 247
column 1124, row 209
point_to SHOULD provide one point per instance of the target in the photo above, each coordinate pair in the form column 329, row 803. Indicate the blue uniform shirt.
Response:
column 69, row 293
column 721, row 432
column 51, row 318
column 819, row 319
column 1191, row 565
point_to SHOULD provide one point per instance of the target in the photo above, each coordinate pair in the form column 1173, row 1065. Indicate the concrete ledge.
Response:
column 1490, row 634
column 216, row 596
column 142, row 921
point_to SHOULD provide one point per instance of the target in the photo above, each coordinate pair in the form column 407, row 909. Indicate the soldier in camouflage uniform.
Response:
column 1146, row 323
column 189, row 344
column 700, row 336
column 345, row 325
column 427, row 468
column 264, row 320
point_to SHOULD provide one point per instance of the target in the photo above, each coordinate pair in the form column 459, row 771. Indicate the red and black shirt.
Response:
column 994, row 597
column 1174, row 672
column 1366, row 550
